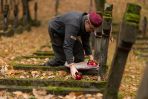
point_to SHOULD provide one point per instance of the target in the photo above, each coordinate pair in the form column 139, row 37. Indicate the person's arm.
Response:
column 86, row 45
column 91, row 57
column 70, row 38
column 73, row 70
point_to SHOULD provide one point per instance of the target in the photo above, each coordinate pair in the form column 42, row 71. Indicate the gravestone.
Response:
column 106, row 27
column 127, row 37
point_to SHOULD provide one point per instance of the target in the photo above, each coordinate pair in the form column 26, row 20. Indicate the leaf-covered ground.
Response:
column 29, row 42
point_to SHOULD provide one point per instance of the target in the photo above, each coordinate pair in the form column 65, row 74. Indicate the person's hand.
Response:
column 91, row 57
column 73, row 70
column 111, row 39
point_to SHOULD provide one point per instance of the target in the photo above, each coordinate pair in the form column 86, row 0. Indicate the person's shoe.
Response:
column 53, row 63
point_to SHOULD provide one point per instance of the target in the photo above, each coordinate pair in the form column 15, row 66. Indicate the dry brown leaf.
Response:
column 61, row 73
column 99, row 96
column 67, row 77
column 75, row 93
column 25, row 96
column 11, row 72
column 39, row 92
column 69, row 97
column 49, row 96
column 2, row 93
column 88, row 95
column 18, row 93
column 81, row 97
column 22, row 76
column 49, row 77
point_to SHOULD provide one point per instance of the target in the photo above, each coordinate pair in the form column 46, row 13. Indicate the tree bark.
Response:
column 57, row 2
column 100, row 5
column 2, row 6
column 16, row 10
column 5, row 17
column 26, row 11
column 35, row 11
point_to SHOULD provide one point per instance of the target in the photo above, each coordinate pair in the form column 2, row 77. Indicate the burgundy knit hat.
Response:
column 95, row 19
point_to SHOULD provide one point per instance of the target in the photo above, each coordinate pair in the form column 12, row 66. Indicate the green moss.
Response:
column 65, row 88
column 51, row 89
column 120, row 95
column 137, row 52
column 107, row 14
column 52, row 82
column 48, row 68
column 33, row 56
column 130, row 17
column 132, row 14
column 45, row 46
column 37, row 67
column 133, row 8
column 44, row 53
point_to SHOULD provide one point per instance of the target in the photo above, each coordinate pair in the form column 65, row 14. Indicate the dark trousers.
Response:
column 57, row 45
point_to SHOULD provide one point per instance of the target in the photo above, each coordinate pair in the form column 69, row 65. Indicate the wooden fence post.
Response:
column 100, row 4
column 143, row 89
column 144, row 26
column 97, row 44
column 99, row 9
column 106, row 27
column 127, row 37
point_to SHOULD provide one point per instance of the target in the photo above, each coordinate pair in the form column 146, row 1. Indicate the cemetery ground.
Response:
column 29, row 42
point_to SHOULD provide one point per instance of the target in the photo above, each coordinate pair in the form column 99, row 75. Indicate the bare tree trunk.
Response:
column 2, row 6
column 90, row 5
column 5, row 16
column 57, row 2
column 35, row 11
column 100, row 5
column 26, row 11
column 16, row 10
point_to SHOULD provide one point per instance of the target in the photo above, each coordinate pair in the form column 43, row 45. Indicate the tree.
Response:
column 1, row 6
column 26, row 11
column 100, row 5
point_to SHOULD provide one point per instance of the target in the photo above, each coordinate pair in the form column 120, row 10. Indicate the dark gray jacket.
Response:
column 70, row 26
